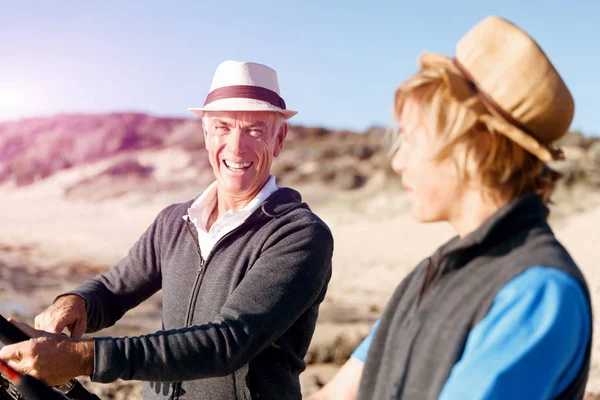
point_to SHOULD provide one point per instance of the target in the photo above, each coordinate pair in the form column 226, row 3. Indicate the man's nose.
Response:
column 235, row 141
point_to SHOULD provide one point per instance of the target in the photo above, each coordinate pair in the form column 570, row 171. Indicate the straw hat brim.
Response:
column 242, row 104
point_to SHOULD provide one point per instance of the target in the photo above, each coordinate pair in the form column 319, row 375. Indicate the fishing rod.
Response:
column 26, row 387
column 10, row 334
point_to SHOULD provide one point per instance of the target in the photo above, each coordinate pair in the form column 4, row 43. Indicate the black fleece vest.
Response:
column 424, row 328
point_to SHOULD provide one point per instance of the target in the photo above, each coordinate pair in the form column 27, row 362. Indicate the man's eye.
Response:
column 222, row 128
column 256, row 132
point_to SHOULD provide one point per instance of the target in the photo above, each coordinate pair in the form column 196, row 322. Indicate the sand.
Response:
column 48, row 245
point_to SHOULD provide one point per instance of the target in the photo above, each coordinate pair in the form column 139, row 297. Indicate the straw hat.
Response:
column 244, row 86
column 528, row 100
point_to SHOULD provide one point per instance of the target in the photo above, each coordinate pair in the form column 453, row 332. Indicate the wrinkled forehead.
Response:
column 241, row 117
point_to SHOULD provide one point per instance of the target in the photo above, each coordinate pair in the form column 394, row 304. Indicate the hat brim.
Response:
column 241, row 104
column 523, row 139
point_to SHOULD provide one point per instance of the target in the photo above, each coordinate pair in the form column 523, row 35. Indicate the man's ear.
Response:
column 280, row 138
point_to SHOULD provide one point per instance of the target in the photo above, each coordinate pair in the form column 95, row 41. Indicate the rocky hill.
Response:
column 32, row 150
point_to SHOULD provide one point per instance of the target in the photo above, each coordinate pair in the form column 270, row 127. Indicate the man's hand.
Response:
column 66, row 312
column 52, row 358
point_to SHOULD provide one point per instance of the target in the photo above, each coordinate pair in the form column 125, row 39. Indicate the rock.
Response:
column 574, row 139
column 119, row 390
column 315, row 377
column 594, row 153
column 334, row 343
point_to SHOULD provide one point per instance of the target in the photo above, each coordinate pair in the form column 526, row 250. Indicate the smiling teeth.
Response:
column 232, row 164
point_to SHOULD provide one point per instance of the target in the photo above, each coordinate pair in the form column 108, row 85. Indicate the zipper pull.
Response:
column 201, row 267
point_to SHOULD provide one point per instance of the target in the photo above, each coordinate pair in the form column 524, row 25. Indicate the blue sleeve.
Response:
column 530, row 345
column 363, row 348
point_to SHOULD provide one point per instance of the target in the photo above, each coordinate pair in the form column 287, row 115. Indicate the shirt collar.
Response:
column 202, row 207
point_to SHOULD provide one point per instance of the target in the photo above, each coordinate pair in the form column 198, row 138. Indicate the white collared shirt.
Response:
column 200, row 211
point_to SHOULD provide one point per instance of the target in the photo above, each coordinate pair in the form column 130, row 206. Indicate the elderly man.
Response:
column 243, row 270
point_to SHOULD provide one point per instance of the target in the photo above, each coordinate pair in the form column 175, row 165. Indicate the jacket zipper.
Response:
column 202, row 269
column 196, row 287
column 199, row 276
column 188, row 317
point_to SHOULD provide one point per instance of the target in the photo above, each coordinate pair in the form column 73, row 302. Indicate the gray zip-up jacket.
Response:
column 237, row 324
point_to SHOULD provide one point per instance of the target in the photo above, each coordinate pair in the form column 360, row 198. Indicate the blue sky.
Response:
column 338, row 61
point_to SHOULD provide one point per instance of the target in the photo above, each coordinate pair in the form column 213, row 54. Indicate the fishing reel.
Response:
column 8, row 391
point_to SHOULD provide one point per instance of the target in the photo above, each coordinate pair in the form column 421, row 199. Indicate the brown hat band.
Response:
column 555, row 153
column 246, row 92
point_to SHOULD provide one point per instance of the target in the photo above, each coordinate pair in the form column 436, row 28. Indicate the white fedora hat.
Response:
column 244, row 86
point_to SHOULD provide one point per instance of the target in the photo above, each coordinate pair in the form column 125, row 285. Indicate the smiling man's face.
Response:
column 241, row 148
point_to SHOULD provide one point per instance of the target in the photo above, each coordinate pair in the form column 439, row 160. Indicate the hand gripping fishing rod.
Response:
column 10, row 334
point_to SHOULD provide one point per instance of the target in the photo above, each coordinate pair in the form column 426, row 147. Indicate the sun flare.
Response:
column 13, row 100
